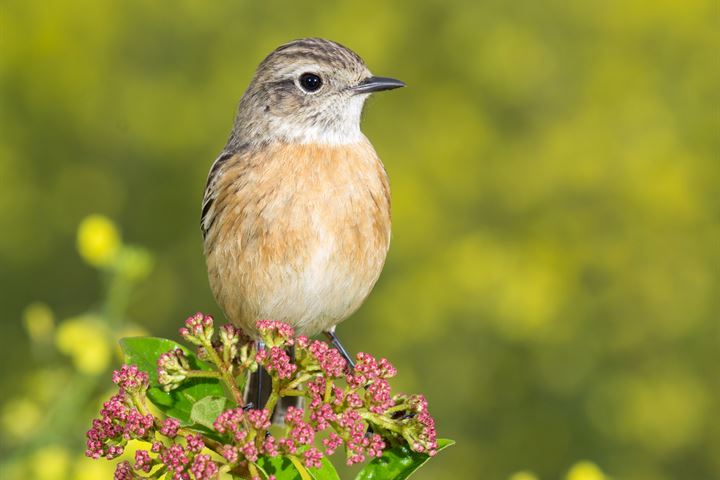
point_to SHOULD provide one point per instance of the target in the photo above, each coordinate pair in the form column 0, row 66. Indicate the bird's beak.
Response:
column 377, row 84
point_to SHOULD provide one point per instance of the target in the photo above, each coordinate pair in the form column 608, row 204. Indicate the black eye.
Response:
column 310, row 82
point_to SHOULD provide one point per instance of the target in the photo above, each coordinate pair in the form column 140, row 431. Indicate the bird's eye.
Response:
column 310, row 82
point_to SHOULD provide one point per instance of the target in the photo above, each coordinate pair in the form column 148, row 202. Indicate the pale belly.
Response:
column 314, row 291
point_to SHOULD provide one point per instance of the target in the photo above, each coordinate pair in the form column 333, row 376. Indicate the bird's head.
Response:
column 308, row 91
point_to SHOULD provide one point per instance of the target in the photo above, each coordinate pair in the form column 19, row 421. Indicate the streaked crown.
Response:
column 306, row 91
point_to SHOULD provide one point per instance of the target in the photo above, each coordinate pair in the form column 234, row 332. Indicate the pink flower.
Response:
column 175, row 458
column 230, row 453
column 229, row 339
column 274, row 333
column 356, row 443
column 195, row 443
column 376, row 445
column 331, row 361
column 230, row 421
column 321, row 416
column 332, row 442
column 119, row 422
column 229, row 334
column 131, row 379
column 317, row 388
column 302, row 434
column 143, row 461
column 312, row 457
column 386, row 369
column 138, row 425
column 270, row 446
column 302, row 341
column 123, row 471
column 203, row 468
column 379, row 396
column 276, row 360
column 198, row 329
column 353, row 400
column 259, row 419
column 420, row 428
column 250, row 451
column 170, row 427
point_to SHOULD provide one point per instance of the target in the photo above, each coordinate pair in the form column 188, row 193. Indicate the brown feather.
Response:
column 298, row 233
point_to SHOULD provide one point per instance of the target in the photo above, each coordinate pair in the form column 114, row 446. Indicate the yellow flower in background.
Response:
column 131, row 330
column 134, row 263
column 524, row 475
column 98, row 240
column 585, row 470
column 39, row 321
column 50, row 463
column 84, row 339
column 43, row 384
column 19, row 418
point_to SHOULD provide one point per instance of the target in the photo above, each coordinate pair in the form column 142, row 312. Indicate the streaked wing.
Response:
column 207, row 217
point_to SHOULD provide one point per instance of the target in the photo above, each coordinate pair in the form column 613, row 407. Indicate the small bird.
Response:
column 296, row 211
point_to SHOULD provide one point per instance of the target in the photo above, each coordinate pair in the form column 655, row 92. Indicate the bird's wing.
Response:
column 207, row 217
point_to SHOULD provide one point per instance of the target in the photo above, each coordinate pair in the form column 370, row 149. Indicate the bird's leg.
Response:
column 339, row 347
column 291, row 353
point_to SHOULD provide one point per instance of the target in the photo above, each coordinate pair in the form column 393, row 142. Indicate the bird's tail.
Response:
column 257, row 393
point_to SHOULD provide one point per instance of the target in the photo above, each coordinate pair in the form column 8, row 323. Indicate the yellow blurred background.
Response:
column 553, row 283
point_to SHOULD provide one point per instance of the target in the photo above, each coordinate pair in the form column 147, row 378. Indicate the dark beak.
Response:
column 377, row 84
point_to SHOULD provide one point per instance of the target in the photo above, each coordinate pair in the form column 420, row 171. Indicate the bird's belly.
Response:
column 319, row 288
column 306, row 248
column 312, row 278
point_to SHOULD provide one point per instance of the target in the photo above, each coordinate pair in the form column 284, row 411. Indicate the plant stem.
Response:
column 382, row 421
column 203, row 374
column 225, row 374
column 292, row 393
column 300, row 467
column 328, row 390
column 274, row 396
column 299, row 380
column 397, row 408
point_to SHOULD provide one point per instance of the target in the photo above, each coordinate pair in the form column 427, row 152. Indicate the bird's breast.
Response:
column 300, row 233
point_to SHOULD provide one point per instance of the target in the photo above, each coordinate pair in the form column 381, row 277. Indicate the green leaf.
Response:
column 145, row 351
column 283, row 469
column 206, row 411
column 398, row 463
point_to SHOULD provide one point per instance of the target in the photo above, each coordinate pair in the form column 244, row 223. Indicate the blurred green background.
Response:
column 553, row 283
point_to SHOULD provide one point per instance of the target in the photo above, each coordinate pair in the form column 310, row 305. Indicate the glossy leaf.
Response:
column 398, row 463
column 145, row 351
column 206, row 411
column 283, row 469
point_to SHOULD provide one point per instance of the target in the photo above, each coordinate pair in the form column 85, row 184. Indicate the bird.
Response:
column 296, row 213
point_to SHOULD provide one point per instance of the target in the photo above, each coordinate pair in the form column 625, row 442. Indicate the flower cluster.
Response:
column 173, row 367
column 352, row 408
column 125, row 417
column 198, row 329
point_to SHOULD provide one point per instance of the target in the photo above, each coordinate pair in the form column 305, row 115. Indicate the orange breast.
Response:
column 299, row 234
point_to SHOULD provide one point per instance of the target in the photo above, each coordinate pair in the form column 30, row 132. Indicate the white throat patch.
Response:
column 342, row 131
